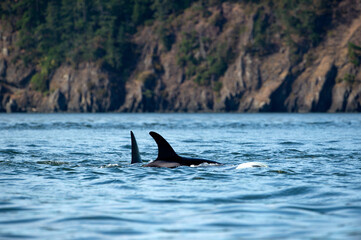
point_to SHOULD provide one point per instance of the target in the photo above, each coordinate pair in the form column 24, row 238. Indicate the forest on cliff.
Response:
column 51, row 34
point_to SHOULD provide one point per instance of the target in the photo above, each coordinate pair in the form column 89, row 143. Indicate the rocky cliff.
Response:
column 204, row 61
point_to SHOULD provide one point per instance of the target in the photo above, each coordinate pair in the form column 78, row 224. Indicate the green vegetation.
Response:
column 354, row 54
column 306, row 20
column 167, row 37
column 206, row 61
column 58, row 31
column 53, row 32
column 349, row 78
column 262, row 33
column 300, row 24
column 149, row 80
column 215, row 66
column 204, row 68
column 217, row 86
column 39, row 81
column 75, row 31
column 187, row 50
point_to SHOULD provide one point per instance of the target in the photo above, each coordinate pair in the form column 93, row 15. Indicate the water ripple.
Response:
column 13, row 209
column 68, row 176
column 325, row 210
column 20, row 221
column 102, row 218
column 10, row 151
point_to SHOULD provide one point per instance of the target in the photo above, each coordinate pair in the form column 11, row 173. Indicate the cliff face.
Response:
column 169, row 73
column 86, row 88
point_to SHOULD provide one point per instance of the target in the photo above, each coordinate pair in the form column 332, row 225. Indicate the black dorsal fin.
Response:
column 135, row 150
column 165, row 151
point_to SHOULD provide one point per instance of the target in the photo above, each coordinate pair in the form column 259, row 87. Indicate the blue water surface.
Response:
column 68, row 176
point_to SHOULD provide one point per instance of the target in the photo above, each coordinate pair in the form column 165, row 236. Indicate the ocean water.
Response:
column 68, row 176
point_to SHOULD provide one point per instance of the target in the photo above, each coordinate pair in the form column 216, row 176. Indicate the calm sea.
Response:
column 67, row 176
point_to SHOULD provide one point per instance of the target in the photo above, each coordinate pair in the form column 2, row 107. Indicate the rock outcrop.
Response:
column 324, row 80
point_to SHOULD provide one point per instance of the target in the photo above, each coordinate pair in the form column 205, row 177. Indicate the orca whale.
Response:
column 135, row 150
column 167, row 157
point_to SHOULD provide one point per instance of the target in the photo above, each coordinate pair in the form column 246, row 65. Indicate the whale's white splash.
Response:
column 251, row 165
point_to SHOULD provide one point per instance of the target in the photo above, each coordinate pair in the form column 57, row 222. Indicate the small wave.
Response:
column 114, row 181
column 293, row 191
column 287, row 172
column 165, row 201
column 127, row 146
column 56, row 125
column 235, row 153
column 91, row 218
column 12, row 209
column 20, row 221
column 52, row 163
column 15, row 236
column 80, row 154
column 320, row 123
column 228, row 224
column 307, row 156
column 121, row 232
column 325, row 210
column 11, row 179
column 101, row 218
column 291, row 143
column 32, row 145
column 10, row 151
column 68, row 170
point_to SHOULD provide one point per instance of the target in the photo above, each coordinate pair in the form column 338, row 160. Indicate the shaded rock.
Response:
column 11, row 106
column 325, row 96
column 19, row 75
column 312, row 90
column 87, row 88
column 354, row 100
column 29, row 101
column 3, row 98
column 340, row 94
column 3, row 66
column 57, row 102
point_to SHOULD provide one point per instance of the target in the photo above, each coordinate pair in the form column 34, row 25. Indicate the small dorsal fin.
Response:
column 165, row 151
column 135, row 151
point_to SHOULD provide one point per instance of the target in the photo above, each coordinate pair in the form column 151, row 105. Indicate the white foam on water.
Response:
column 110, row 166
column 251, row 165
